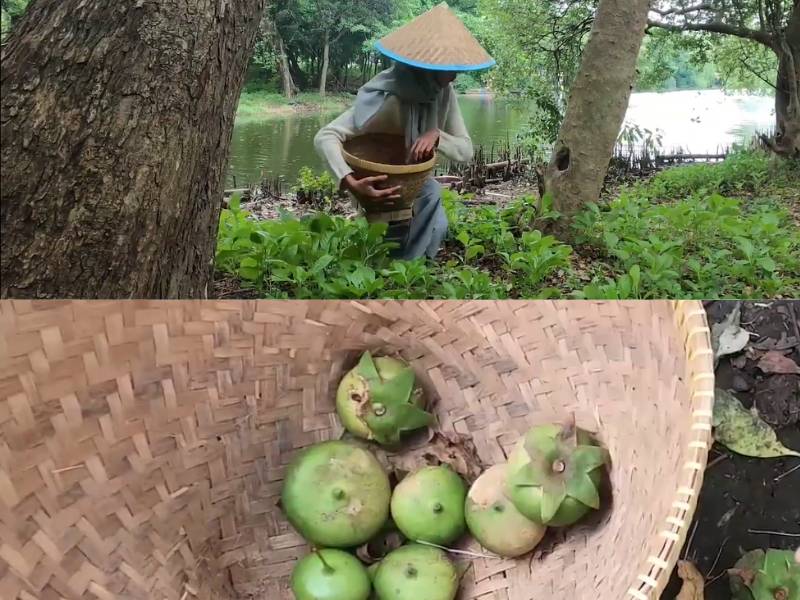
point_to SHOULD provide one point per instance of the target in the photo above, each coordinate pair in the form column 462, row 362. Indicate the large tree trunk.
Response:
column 597, row 106
column 326, row 53
column 116, row 121
column 787, row 94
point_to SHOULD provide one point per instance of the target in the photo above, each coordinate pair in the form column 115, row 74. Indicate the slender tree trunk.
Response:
column 787, row 95
column 298, row 75
column 597, row 106
column 346, row 75
column 116, row 122
column 289, row 87
column 326, row 53
column 281, row 60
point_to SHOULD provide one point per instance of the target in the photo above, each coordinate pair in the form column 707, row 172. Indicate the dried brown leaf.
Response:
column 451, row 449
column 739, row 361
column 693, row 582
column 774, row 361
column 376, row 549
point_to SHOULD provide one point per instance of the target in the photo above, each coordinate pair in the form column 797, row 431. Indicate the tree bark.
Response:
column 289, row 87
column 597, row 106
column 116, row 123
column 281, row 59
column 326, row 53
column 787, row 94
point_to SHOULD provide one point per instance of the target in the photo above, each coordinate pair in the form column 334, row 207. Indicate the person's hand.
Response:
column 425, row 146
column 369, row 187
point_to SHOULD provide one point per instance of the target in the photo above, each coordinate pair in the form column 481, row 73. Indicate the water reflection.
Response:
column 699, row 122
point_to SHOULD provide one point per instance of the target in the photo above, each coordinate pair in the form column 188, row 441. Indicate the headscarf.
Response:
column 417, row 90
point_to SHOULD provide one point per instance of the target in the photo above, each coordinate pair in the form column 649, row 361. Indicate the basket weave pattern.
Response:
column 143, row 444
column 372, row 155
column 437, row 37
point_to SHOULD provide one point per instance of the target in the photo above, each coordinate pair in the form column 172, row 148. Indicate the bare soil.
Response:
column 750, row 503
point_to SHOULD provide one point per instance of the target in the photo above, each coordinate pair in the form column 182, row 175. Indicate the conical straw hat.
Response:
column 438, row 41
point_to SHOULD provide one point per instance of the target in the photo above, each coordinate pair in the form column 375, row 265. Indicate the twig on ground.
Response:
column 688, row 545
column 715, row 578
column 453, row 551
column 716, row 560
column 719, row 459
column 789, row 472
column 780, row 533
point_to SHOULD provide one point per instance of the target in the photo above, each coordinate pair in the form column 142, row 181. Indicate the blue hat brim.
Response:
column 431, row 67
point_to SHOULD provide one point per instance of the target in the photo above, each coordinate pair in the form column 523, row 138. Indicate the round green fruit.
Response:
column 554, row 475
column 494, row 520
column 416, row 572
column 330, row 575
column 336, row 494
column 428, row 505
column 379, row 400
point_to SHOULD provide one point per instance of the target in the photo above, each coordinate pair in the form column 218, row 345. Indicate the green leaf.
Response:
column 249, row 273
column 582, row 488
column 321, row 264
column 766, row 263
column 235, row 203
column 463, row 237
column 743, row 431
column 636, row 278
column 474, row 251
column 746, row 246
column 248, row 262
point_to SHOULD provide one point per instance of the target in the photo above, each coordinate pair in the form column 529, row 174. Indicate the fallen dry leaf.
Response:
column 743, row 431
column 774, row 361
column 382, row 544
column 693, row 582
column 740, row 361
column 728, row 337
column 451, row 449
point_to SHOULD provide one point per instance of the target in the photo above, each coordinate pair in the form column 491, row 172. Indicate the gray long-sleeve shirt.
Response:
column 454, row 141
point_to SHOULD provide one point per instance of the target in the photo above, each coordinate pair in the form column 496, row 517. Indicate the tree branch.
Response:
column 683, row 11
column 756, row 73
column 762, row 37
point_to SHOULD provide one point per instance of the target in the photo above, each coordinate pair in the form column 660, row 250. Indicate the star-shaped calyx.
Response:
column 561, row 459
column 390, row 406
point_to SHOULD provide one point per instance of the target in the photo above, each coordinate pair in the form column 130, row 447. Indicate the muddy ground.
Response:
column 750, row 503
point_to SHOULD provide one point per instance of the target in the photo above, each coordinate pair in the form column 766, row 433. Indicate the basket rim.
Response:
column 367, row 165
column 655, row 572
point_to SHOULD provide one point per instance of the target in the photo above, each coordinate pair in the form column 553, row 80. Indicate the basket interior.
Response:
column 143, row 444
column 379, row 148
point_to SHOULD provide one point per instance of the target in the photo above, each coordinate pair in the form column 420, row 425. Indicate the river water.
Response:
column 698, row 122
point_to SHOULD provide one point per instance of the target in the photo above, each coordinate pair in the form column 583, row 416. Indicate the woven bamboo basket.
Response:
column 143, row 443
column 373, row 154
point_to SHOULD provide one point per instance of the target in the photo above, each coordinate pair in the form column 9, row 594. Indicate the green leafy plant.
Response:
column 706, row 245
column 318, row 190
column 643, row 244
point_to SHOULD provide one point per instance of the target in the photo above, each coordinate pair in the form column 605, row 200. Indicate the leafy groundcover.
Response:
column 699, row 231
